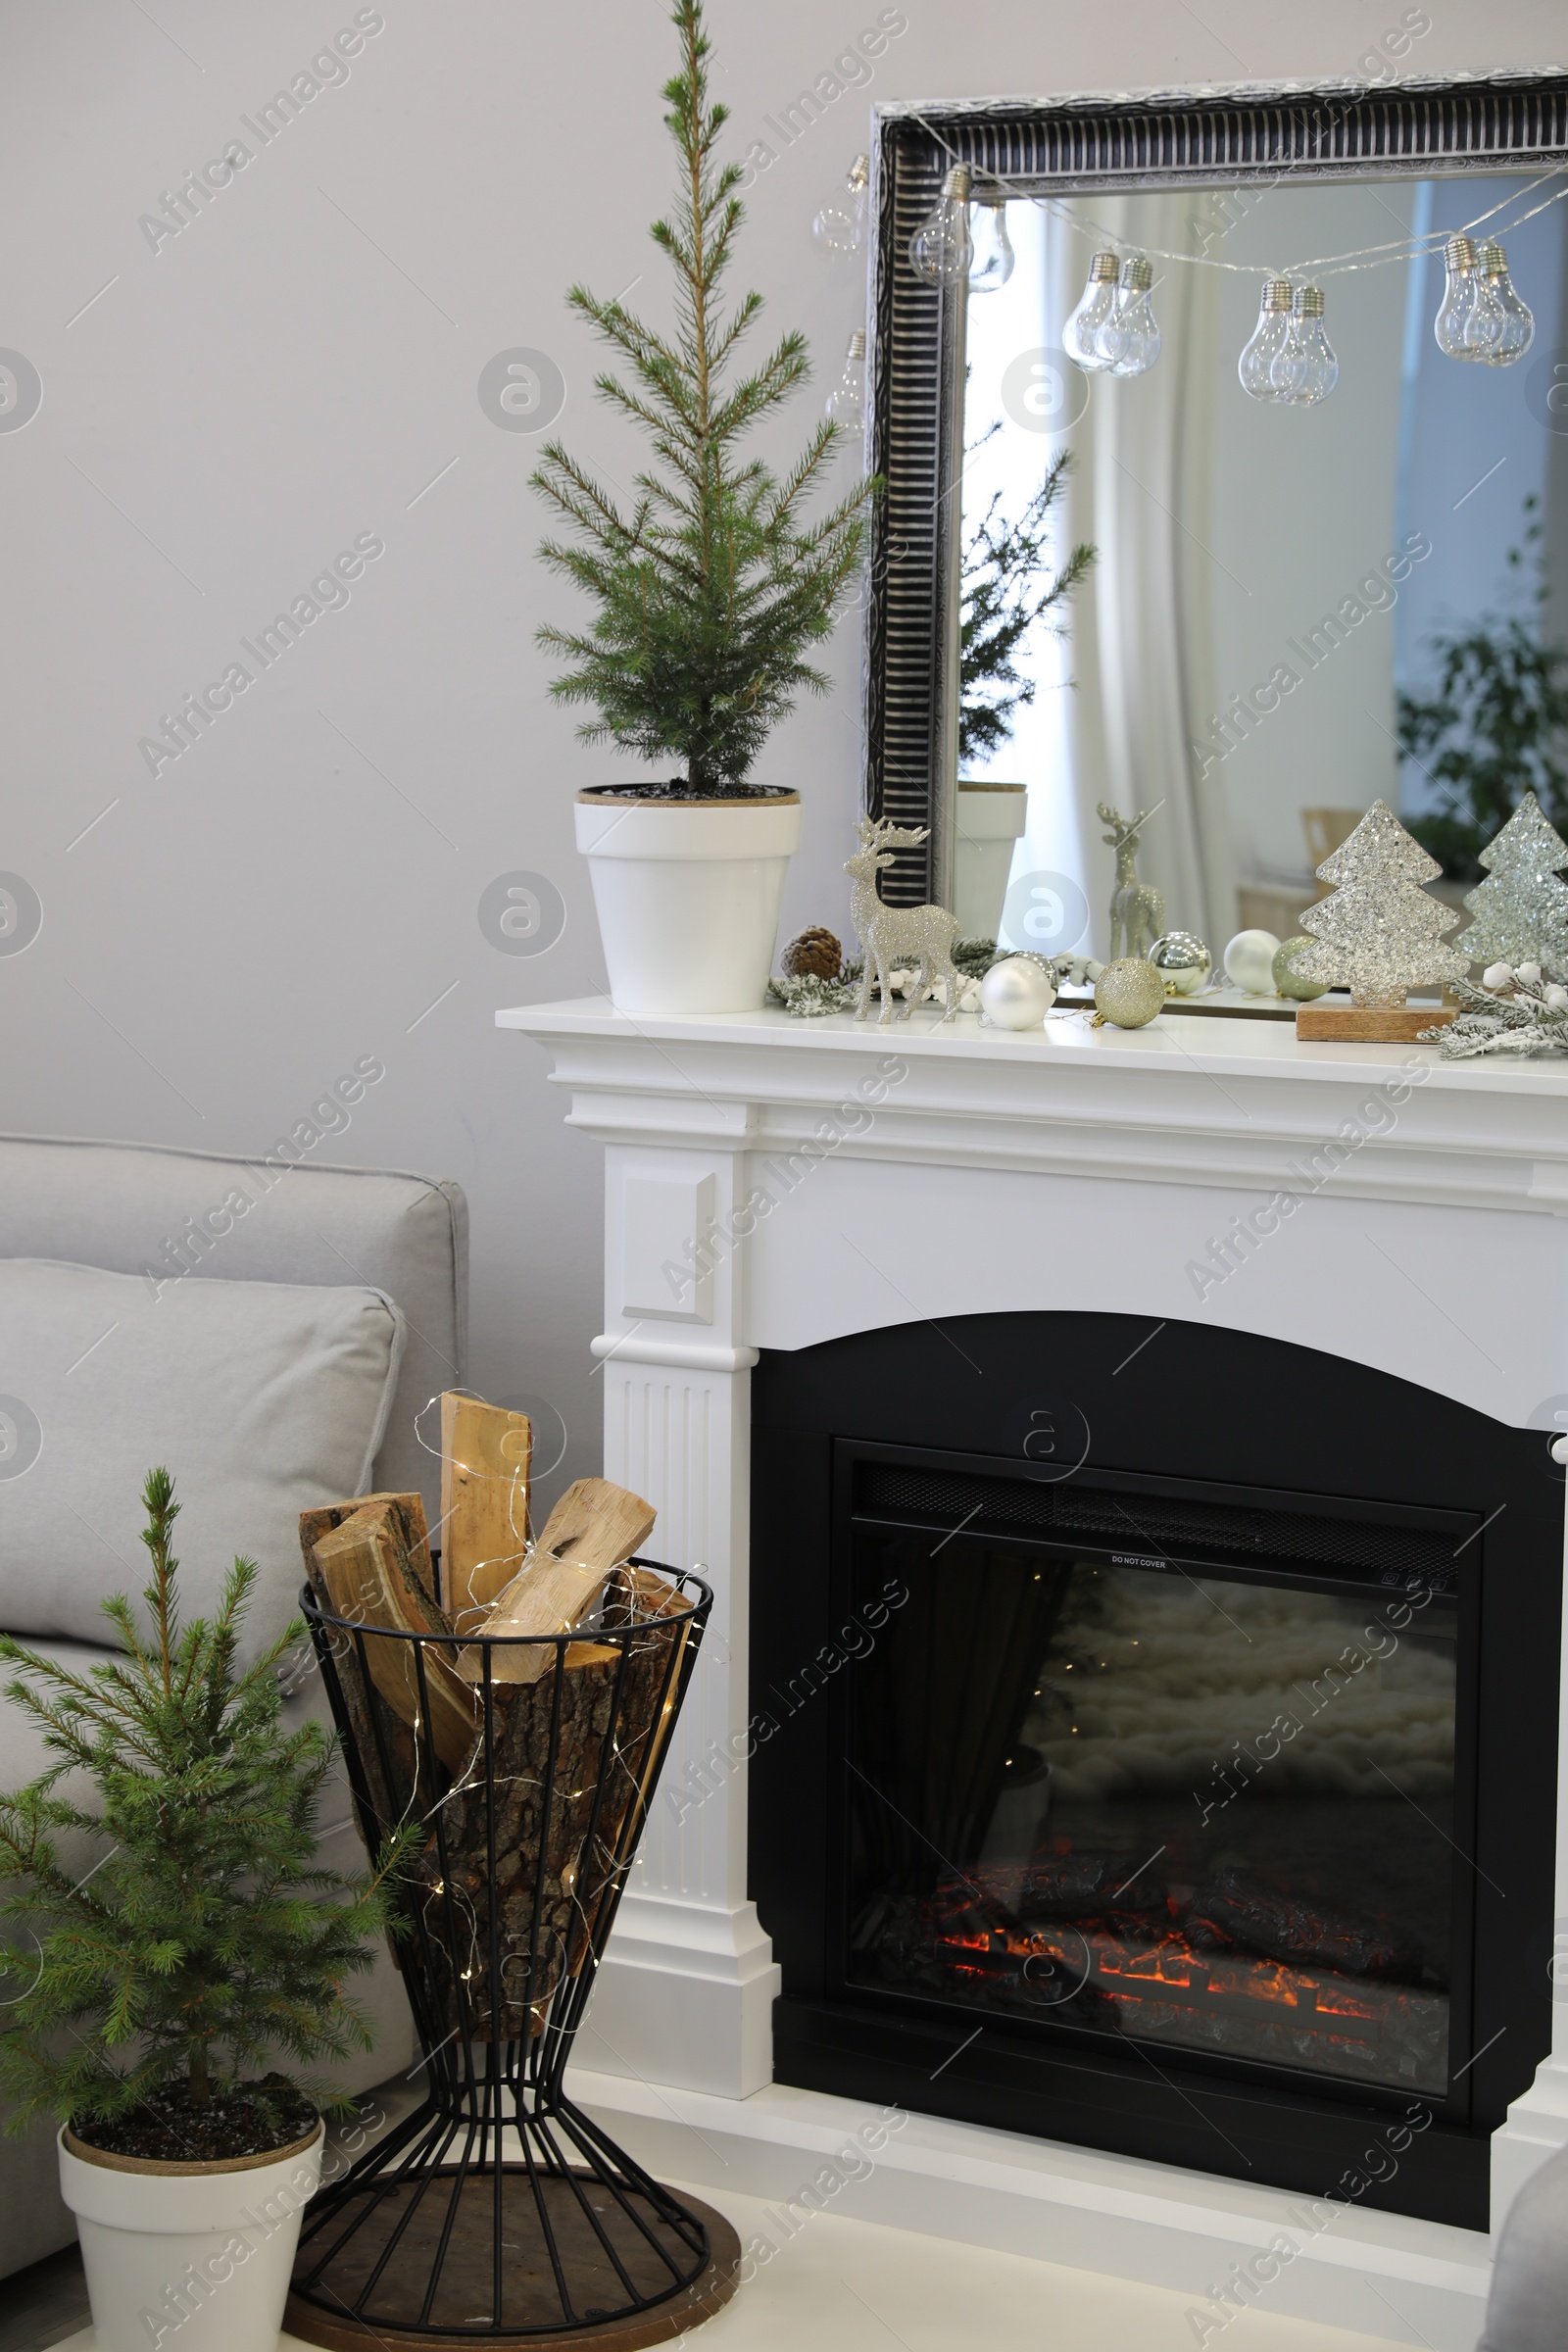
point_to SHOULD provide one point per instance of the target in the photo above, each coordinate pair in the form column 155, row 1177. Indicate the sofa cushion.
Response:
column 261, row 1398
column 178, row 1218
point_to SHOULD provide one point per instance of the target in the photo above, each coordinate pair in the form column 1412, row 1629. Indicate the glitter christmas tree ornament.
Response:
column 1128, row 993
column 1379, row 933
column 1521, row 910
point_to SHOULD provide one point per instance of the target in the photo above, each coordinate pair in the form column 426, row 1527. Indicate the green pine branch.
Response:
column 206, row 1938
column 1007, row 591
column 714, row 590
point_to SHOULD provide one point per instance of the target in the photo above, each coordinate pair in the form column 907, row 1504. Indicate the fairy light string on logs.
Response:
column 1287, row 359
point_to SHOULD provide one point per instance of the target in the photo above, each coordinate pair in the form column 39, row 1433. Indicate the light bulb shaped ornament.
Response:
column 840, row 226
column 1082, row 337
column 1460, row 295
column 1268, row 342
column 1516, row 330
column 1306, row 369
column 1131, row 338
column 845, row 402
column 942, row 250
column 994, row 257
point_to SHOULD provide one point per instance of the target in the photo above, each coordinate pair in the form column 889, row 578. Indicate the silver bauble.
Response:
column 1016, row 994
column 1286, row 983
column 1182, row 960
column 1249, row 961
column 1129, row 991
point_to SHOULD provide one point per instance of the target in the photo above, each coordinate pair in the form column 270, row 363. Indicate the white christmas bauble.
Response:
column 1016, row 994
column 1249, row 961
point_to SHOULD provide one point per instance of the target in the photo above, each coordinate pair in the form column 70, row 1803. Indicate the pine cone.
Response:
column 816, row 951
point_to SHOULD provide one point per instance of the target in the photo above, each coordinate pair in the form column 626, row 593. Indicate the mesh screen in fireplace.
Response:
column 1210, row 1807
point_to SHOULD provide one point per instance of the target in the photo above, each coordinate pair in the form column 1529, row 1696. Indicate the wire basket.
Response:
column 498, row 2211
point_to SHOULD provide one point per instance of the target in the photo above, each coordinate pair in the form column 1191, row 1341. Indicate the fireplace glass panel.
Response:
column 1207, row 1809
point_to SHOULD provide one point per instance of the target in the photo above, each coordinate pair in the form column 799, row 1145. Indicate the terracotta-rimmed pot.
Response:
column 188, row 2257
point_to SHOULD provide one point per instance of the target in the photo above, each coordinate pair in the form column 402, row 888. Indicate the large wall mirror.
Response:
column 1253, row 613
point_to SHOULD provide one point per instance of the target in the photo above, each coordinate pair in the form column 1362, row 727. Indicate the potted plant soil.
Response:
column 177, row 1941
column 712, row 584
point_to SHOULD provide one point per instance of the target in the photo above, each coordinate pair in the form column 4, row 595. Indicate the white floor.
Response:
column 854, row 2287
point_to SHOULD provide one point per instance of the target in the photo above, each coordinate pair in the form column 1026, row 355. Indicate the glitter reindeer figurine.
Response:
column 1137, row 908
column 891, row 936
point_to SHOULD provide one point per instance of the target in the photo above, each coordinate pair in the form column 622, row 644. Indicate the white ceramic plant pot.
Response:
column 991, row 817
column 189, row 2258
column 687, row 894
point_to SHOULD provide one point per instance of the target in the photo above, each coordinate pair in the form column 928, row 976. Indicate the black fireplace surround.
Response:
column 1155, row 1747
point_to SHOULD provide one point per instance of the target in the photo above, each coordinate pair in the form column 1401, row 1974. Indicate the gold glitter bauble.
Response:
column 1129, row 991
column 1286, row 983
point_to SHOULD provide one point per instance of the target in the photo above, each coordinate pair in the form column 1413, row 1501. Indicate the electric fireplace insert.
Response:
column 1181, row 1784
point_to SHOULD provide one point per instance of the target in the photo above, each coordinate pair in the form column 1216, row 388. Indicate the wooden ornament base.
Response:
column 1368, row 1024
column 534, row 2314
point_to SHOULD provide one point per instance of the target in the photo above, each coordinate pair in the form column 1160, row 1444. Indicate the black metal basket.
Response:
column 498, row 2210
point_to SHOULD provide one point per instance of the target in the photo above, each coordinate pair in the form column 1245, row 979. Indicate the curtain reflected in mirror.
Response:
column 1270, row 613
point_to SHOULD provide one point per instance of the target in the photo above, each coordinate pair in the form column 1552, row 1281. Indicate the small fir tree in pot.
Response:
column 713, row 586
column 1007, row 593
column 205, row 1939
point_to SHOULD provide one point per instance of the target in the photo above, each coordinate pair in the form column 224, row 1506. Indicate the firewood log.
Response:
column 547, row 1863
column 366, row 1565
column 382, row 1742
column 486, row 1453
column 591, row 1530
column 595, row 1524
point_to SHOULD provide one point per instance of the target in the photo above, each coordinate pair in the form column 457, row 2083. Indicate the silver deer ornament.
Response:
column 893, row 936
column 1137, row 908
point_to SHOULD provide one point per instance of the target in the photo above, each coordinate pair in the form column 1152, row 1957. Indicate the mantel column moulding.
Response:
column 689, row 1974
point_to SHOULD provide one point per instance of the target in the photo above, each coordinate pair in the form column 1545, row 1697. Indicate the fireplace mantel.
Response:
column 772, row 1183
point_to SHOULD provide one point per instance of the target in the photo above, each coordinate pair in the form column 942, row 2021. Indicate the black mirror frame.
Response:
column 1222, row 136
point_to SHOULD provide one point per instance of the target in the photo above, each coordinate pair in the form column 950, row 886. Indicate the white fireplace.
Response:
column 772, row 1183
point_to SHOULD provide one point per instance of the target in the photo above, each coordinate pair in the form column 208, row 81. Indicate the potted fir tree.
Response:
column 1005, row 593
column 188, row 1937
column 712, row 587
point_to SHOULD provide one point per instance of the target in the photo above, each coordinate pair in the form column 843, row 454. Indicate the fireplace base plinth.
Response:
column 1092, row 2211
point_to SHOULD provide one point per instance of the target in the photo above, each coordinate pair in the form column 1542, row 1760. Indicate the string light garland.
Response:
column 1081, row 336
column 1287, row 357
column 1481, row 316
column 942, row 250
column 845, row 402
column 840, row 226
column 994, row 256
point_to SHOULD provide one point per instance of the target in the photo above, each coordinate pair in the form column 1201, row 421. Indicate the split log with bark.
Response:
column 540, row 1752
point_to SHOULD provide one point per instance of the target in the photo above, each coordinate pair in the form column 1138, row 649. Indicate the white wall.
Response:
column 293, row 370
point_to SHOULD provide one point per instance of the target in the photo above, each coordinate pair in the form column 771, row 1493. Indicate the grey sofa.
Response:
column 265, row 1241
